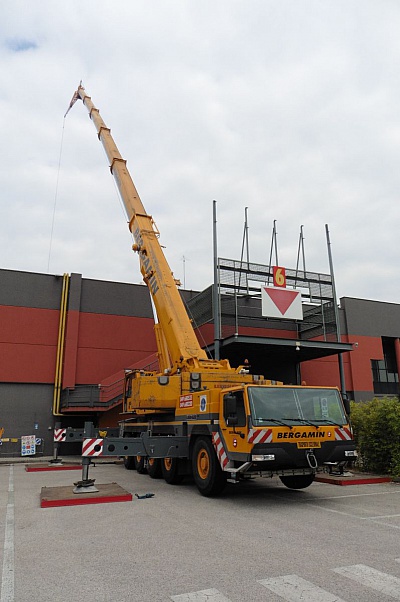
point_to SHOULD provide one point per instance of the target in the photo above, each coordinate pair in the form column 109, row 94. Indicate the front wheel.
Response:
column 300, row 481
column 207, row 472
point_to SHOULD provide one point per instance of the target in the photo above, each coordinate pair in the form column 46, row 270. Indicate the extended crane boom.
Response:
column 182, row 344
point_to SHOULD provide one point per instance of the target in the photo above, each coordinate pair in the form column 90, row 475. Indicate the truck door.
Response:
column 234, row 422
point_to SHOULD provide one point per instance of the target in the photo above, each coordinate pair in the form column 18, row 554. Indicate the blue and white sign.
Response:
column 28, row 445
column 203, row 403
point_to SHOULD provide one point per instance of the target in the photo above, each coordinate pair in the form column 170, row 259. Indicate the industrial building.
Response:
column 66, row 341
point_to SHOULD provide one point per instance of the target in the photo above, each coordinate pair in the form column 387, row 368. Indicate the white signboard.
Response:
column 283, row 303
column 28, row 445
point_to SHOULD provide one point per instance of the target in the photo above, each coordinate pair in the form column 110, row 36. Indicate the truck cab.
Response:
column 284, row 430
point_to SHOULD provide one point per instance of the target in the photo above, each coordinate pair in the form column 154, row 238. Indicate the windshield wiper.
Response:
column 326, row 421
column 304, row 421
column 274, row 420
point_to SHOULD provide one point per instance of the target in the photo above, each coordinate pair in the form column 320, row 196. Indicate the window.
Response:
column 295, row 405
column 384, row 372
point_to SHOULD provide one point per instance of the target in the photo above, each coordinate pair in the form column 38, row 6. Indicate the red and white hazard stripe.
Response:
column 260, row 436
column 92, row 447
column 343, row 434
column 60, row 434
column 220, row 450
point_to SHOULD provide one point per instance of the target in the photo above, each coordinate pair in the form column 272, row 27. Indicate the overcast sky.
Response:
column 288, row 107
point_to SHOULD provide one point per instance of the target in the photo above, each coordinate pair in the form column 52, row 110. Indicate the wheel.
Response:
column 208, row 475
column 154, row 467
column 129, row 462
column 170, row 471
column 140, row 463
column 300, row 481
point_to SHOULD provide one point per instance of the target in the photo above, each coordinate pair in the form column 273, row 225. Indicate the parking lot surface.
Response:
column 258, row 542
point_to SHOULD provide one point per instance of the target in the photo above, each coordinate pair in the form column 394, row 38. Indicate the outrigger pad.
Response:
column 64, row 496
column 87, row 486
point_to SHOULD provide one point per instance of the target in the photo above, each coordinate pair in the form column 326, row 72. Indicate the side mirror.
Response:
column 128, row 386
column 230, row 409
column 346, row 402
column 230, row 404
column 232, row 420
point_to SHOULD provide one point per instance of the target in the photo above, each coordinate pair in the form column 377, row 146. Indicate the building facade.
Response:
column 66, row 341
column 372, row 368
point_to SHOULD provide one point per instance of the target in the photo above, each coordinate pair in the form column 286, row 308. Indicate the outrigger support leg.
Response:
column 56, row 460
column 86, row 485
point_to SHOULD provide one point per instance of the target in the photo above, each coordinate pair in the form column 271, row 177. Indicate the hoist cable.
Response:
column 55, row 196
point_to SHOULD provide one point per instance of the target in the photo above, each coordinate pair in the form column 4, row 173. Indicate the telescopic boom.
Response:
column 181, row 341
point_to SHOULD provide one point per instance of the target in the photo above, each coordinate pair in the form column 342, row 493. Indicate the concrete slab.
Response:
column 45, row 467
column 356, row 478
column 51, row 497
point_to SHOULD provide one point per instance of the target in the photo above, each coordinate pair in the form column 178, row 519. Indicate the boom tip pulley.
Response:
column 74, row 99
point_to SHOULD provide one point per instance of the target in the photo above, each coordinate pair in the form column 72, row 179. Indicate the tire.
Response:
column 300, row 481
column 208, row 475
column 170, row 471
column 140, row 463
column 129, row 462
column 154, row 468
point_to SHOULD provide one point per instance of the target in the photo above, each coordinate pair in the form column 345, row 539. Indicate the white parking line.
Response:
column 7, row 581
column 296, row 589
column 338, row 497
column 372, row 519
column 381, row 516
column 375, row 519
column 206, row 595
column 369, row 577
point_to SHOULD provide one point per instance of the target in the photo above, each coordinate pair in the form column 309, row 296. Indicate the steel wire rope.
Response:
column 56, row 196
column 120, row 201
column 122, row 206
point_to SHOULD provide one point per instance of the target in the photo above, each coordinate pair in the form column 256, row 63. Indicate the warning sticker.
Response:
column 186, row 401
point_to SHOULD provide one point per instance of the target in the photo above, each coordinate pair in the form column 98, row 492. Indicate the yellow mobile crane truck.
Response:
column 198, row 415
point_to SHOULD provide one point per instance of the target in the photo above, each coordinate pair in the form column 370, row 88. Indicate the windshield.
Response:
column 291, row 406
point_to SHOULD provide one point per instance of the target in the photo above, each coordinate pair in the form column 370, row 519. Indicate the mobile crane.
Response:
column 200, row 416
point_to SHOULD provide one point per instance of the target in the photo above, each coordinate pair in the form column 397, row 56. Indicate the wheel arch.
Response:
column 197, row 432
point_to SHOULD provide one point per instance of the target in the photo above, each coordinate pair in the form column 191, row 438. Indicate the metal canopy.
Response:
column 290, row 349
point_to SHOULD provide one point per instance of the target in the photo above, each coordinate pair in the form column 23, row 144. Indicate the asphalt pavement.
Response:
column 258, row 542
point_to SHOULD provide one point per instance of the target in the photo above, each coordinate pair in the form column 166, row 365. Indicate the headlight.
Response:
column 351, row 453
column 263, row 458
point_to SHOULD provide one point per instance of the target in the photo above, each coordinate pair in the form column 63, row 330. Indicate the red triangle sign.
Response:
column 282, row 298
